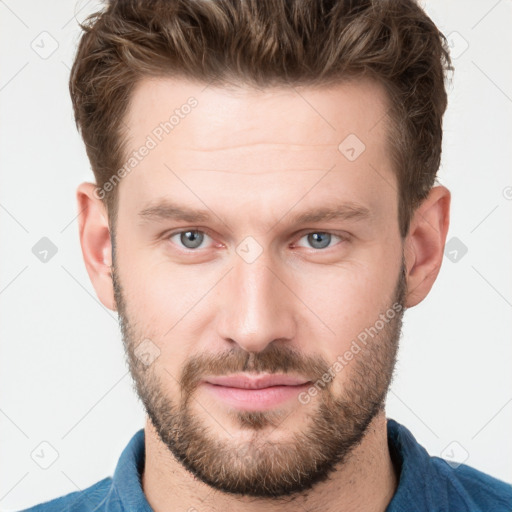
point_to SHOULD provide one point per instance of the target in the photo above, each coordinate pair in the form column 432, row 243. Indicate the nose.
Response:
column 257, row 305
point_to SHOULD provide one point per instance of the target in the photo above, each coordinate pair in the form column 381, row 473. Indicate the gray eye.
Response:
column 319, row 240
column 191, row 239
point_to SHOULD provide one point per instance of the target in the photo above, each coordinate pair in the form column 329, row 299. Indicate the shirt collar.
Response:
column 413, row 467
column 126, row 482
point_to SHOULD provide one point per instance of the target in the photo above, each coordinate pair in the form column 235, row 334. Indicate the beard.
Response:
column 335, row 424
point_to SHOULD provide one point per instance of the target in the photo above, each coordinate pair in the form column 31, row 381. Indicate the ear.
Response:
column 95, row 241
column 424, row 244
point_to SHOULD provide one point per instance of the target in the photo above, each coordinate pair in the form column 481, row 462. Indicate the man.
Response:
column 264, row 212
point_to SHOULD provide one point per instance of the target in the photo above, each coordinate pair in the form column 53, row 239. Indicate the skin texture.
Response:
column 254, row 159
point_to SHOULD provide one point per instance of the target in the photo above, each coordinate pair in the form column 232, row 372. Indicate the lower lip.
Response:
column 255, row 399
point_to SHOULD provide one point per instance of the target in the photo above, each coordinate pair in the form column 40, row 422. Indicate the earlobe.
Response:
column 95, row 240
column 424, row 245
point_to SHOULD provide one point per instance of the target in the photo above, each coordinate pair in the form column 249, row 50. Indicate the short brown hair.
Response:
column 267, row 43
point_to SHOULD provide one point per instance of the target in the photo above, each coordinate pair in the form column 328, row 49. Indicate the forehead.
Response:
column 249, row 142
column 226, row 117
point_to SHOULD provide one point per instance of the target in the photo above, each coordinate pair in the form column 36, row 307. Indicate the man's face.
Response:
column 251, row 287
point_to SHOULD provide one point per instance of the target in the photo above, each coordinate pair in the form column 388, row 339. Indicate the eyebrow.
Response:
column 167, row 210
column 344, row 211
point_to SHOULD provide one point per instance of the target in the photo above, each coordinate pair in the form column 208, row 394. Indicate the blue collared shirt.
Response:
column 425, row 483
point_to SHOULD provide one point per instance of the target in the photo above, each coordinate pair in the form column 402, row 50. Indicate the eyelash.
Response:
column 343, row 238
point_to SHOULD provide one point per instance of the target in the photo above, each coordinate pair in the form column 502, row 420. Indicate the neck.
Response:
column 366, row 481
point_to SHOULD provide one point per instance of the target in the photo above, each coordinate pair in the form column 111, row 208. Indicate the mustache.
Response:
column 274, row 359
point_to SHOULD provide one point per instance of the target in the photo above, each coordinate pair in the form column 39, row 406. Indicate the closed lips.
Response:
column 261, row 382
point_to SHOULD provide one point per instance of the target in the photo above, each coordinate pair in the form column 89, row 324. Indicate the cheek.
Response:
column 159, row 292
column 347, row 299
column 167, row 307
column 161, row 302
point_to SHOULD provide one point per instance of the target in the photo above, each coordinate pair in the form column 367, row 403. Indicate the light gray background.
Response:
column 63, row 378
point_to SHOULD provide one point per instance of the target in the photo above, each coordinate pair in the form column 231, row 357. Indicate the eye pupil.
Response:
column 191, row 239
column 319, row 240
